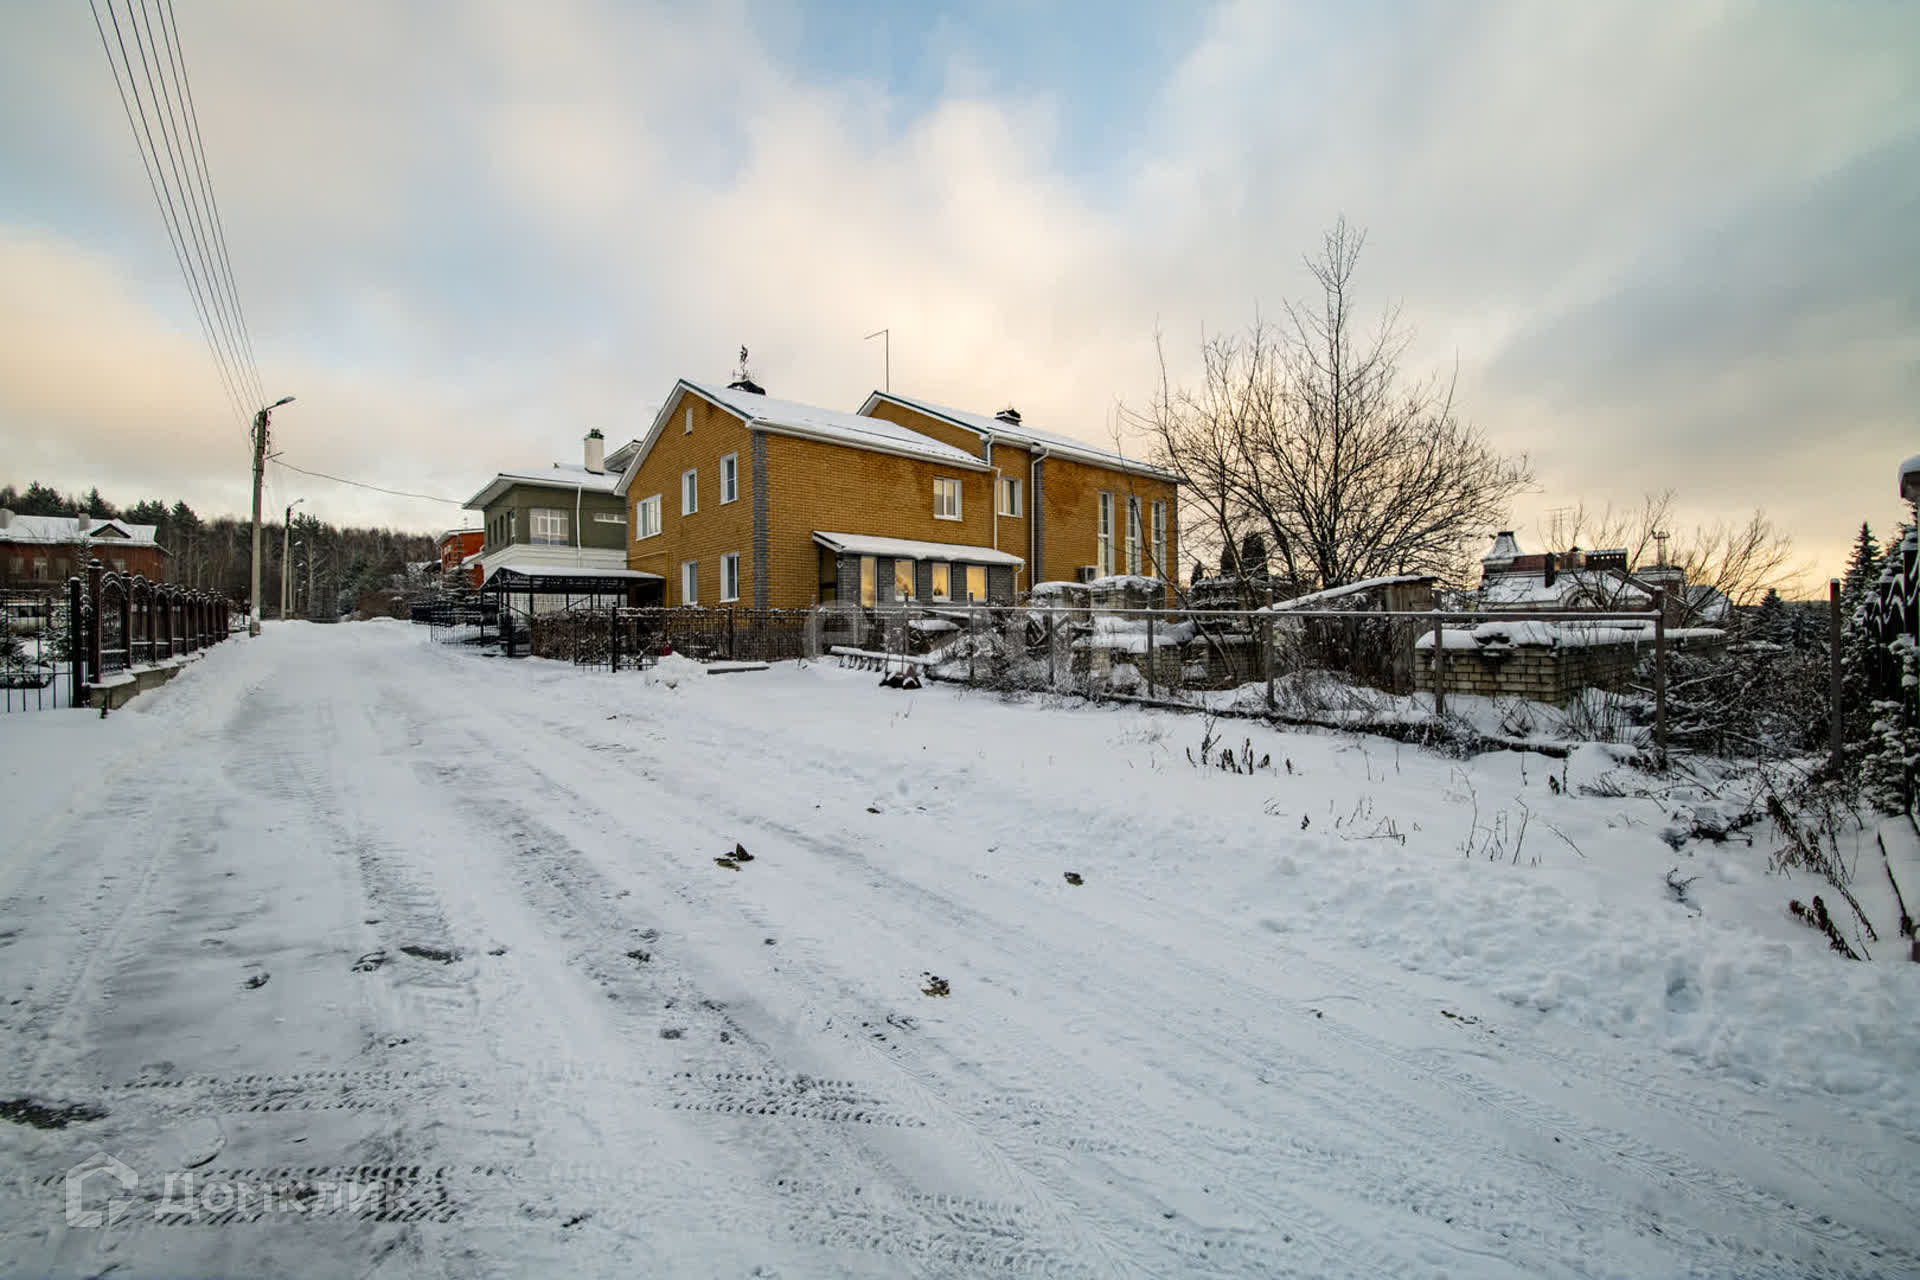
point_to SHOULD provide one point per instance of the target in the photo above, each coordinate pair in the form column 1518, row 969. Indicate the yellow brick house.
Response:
column 736, row 497
column 1071, row 510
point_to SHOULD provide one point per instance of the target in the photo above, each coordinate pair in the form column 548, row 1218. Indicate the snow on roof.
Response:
column 571, row 571
column 562, row 475
column 859, row 544
column 1568, row 587
column 986, row 424
column 831, row 424
column 1314, row 599
column 67, row 529
column 475, row 558
column 1505, row 549
column 1561, row 635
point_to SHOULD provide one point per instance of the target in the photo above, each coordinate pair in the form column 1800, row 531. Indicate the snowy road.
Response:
column 373, row 957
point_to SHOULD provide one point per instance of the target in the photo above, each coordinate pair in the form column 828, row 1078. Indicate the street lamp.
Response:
column 260, row 421
column 286, row 549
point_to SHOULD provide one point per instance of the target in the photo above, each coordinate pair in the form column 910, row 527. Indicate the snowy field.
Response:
column 365, row 956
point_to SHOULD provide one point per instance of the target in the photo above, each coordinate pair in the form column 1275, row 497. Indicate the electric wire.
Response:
column 182, row 185
column 161, row 202
column 184, row 79
column 361, row 484
column 163, row 110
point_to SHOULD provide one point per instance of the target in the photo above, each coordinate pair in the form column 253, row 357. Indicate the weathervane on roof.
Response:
column 743, row 377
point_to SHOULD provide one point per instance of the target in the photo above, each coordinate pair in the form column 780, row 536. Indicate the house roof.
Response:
column 860, row 544
column 988, row 425
column 54, row 530
column 562, row 475
column 789, row 417
column 1570, row 587
column 576, row 572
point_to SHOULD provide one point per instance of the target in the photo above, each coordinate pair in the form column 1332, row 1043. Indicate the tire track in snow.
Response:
column 1577, row 1202
column 1760, row 1204
column 585, row 909
column 1196, row 1252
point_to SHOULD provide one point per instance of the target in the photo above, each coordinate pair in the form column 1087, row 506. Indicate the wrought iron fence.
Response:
column 36, row 650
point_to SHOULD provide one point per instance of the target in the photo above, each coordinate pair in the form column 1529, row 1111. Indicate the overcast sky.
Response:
column 1669, row 245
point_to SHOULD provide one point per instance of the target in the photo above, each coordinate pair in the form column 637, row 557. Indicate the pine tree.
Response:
column 97, row 507
column 1863, row 567
column 1771, row 622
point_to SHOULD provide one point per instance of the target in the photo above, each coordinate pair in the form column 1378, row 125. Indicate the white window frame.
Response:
column 1008, row 501
column 942, row 584
column 943, row 488
column 646, row 518
column 980, row 569
column 729, row 478
column 729, row 577
column 689, row 428
column 1133, row 535
column 609, row 517
column 690, row 491
column 1160, row 539
column 1103, row 537
column 549, row 516
column 689, row 582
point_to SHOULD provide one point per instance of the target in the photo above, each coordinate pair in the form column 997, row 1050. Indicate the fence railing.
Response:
column 36, row 650
column 1343, row 666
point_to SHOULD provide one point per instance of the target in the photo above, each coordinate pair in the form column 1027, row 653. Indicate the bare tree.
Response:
column 1737, row 563
column 1306, row 432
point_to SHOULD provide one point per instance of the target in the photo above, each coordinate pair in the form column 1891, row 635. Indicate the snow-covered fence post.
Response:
column 1149, row 663
column 1266, row 657
column 96, row 573
column 973, row 637
column 1053, row 664
column 1836, row 733
column 75, row 667
column 1439, row 668
column 1660, row 677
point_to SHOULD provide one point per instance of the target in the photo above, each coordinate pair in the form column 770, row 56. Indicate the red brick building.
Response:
column 47, row 550
column 457, row 546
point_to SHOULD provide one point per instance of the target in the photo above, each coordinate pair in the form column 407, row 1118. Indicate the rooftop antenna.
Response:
column 886, row 346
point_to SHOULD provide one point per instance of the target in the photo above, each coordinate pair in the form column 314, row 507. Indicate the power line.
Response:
column 360, row 484
column 181, row 185
column 161, row 202
column 182, row 162
column 185, row 80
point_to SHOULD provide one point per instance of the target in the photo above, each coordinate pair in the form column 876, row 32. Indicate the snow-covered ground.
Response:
column 368, row 956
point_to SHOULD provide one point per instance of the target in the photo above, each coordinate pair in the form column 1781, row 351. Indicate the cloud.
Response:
column 1665, row 244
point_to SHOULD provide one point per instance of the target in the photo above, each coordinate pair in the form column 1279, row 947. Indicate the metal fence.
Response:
column 1332, row 666
column 36, row 650
column 1347, row 667
column 56, row 643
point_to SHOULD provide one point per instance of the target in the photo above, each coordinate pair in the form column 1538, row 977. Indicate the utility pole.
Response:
column 886, row 348
column 260, row 423
column 286, row 549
